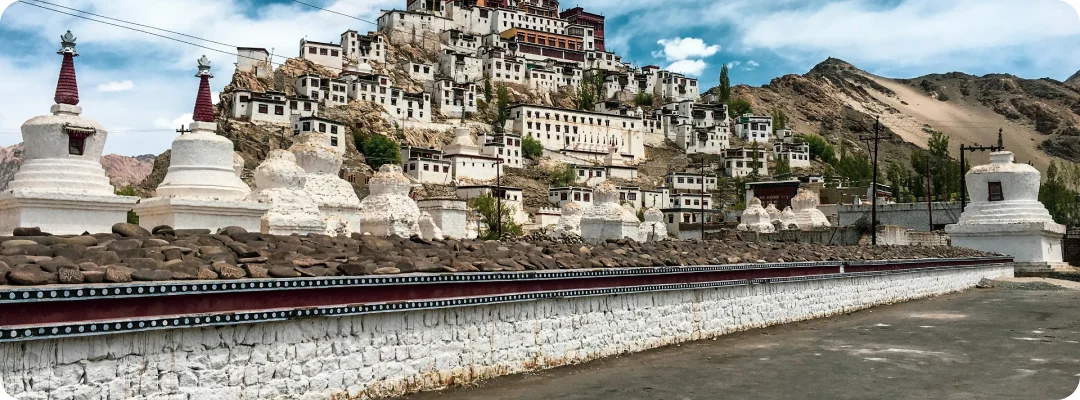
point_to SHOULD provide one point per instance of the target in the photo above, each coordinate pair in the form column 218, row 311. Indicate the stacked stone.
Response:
column 131, row 253
column 755, row 218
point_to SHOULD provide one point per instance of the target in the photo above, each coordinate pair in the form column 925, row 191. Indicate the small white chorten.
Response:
column 449, row 214
column 570, row 219
column 61, row 186
column 653, row 229
column 755, row 218
column 337, row 201
column 389, row 210
column 807, row 215
column 1005, row 215
column 428, row 229
column 787, row 219
column 774, row 214
column 202, row 189
column 280, row 183
column 606, row 219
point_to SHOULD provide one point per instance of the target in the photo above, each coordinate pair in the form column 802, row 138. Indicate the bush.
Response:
column 820, row 149
column 563, row 176
column 643, row 99
column 379, row 150
column 487, row 207
column 531, row 148
column 738, row 107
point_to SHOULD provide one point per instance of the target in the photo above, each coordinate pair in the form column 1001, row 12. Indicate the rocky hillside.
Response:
column 122, row 170
column 840, row 102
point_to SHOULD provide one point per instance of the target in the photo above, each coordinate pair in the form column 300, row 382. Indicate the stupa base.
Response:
column 62, row 214
column 188, row 213
column 1025, row 242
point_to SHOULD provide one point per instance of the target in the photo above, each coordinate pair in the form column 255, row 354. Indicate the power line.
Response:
column 334, row 12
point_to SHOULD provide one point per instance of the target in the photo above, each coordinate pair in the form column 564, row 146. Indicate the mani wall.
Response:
column 398, row 348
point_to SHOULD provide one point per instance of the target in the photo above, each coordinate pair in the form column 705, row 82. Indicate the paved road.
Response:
column 980, row 344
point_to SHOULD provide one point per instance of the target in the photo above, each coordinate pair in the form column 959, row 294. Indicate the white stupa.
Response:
column 774, row 213
column 606, row 219
column 61, row 186
column 389, row 210
column 428, row 229
column 202, row 188
column 279, row 182
column 1005, row 215
column 337, row 201
column 755, row 218
column 570, row 220
column 787, row 219
column 807, row 215
column 653, row 228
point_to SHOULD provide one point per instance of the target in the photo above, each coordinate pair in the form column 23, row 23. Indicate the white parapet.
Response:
column 62, row 214
column 195, row 213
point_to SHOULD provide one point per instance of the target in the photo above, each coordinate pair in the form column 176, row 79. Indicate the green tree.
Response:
column 502, row 102
column 487, row 207
column 738, row 107
column 820, row 149
column 754, row 157
column 563, row 176
column 725, row 86
column 897, row 176
column 379, row 150
column 531, row 148
column 132, row 217
column 1058, row 198
column 783, row 167
column 643, row 99
column 591, row 90
column 854, row 169
column 487, row 90
column 943, row 170
column 780, row 120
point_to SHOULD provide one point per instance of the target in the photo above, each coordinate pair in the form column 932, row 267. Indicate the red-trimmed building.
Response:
column 579, row 16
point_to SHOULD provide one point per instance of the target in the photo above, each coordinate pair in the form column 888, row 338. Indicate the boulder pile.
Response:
column 131, row 253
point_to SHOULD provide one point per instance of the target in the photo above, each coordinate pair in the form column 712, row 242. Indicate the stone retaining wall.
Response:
column 394, row 353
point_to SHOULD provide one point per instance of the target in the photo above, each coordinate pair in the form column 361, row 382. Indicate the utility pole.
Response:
column 929, row 187
column 702, row 138
column 498, row 196
column 874, row 183
column 182, row 130
column 963, row 176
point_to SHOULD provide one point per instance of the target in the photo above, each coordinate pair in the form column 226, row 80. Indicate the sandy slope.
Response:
column 964, row 123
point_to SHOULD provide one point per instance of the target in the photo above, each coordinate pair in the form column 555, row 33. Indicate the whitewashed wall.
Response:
column 395, row 353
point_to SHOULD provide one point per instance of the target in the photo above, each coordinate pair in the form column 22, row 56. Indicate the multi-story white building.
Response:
column 461, row 67
column 741, row 162
column 559, row 196
column 328, row 91
column 363, row 49
column 467, row 161
column 459, row 41
column 334, row 131
column 505, row 146
column 398, row 104
column 325, row 54
column 796, row 153
column 689, row 208
column 590, row 175
column 500, row 66
column 404, row 26
column 421, row 72
column 754, row 128
column 656, row 198
column 454, row 97
column 269, row 107
column 426, row 165
column 683, row 182
column 583, row 134
column 254, row 60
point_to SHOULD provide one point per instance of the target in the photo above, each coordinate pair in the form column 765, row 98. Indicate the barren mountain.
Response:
column 840, row 102
column 122, row 170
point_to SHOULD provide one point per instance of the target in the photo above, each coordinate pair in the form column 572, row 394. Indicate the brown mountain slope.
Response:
column 839, row 101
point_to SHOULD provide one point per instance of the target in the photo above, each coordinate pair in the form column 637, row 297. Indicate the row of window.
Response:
column 412, row 167
column 571, row 118
column 312, row 50
column 577, row 196
column 614, row 141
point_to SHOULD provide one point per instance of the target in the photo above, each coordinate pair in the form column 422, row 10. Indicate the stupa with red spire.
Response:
column 61, row 186
column 202, row 189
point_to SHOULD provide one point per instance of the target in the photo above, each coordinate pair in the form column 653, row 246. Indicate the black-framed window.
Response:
column 995, row 192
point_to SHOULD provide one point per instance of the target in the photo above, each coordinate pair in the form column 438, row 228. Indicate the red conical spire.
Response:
column 204, row 107
column 67, row 89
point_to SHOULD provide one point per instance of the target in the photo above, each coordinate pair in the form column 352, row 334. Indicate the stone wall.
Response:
column 909, row 215
column 388, row 354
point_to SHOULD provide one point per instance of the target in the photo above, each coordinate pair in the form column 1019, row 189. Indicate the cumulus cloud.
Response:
column 685, row 48
column 688, row 67
column 182, row 120
column 751, row 65
column 116, row 86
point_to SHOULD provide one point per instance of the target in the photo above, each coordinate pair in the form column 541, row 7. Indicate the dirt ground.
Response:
column 979, row 344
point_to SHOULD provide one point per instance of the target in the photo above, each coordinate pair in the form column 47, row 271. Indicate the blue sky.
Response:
column 142, row 88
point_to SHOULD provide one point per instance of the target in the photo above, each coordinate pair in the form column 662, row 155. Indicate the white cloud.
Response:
column 182, row 120
column 751, row 65
column 123, row 86
column 688, row 67
column 685, row 48
column 733, row 64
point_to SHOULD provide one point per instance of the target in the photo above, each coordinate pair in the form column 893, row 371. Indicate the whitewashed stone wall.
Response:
column 394, row 353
